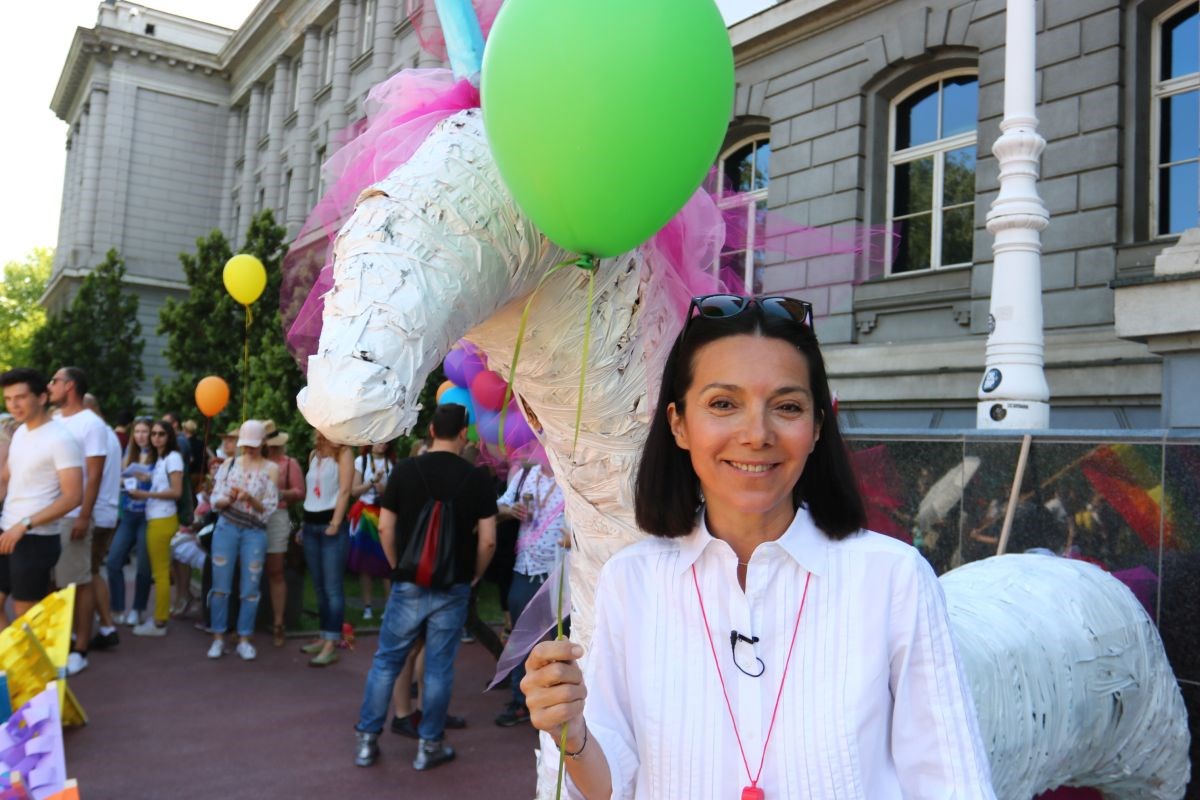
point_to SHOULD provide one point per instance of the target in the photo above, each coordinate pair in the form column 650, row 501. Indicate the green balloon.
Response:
column 604, row 116
column 472, row 434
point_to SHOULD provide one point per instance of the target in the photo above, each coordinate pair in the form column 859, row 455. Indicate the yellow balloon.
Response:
column 445, row 387
column 245, row 278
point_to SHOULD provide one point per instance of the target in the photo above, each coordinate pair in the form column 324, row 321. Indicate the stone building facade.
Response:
column 850, row 115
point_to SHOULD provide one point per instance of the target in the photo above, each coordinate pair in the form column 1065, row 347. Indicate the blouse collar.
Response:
column 803, row 541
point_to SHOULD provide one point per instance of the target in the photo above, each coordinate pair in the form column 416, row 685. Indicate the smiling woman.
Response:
column 841, row 678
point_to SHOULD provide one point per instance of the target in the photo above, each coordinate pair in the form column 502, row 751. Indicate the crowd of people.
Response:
column 82, row 501
column 749, row 500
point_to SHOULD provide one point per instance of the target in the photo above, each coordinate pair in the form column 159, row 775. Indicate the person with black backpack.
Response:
column 437, row 524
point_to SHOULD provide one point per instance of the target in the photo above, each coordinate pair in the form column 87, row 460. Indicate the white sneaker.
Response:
column 129, row 618
column 76, row 663
column 246, row 651
column 368, row 613
column 216, row 649
column 149, row 628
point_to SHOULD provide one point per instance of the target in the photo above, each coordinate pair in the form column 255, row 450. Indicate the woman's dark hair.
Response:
column 172, row 445
column 667, row 495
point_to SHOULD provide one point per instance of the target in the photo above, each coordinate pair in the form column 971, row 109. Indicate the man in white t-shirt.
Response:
column 104, row 525
column 67, row 388
column 43, row 481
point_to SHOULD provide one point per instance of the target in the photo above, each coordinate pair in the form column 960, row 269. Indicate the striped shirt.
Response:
column 874, row 707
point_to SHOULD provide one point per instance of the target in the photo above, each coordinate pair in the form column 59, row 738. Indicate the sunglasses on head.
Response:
column 725, row 306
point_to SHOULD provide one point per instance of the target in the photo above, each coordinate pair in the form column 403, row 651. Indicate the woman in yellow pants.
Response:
column 166, row 486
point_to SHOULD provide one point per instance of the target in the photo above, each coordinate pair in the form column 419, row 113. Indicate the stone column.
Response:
column 65, row 231
column 1014, row 392
column 273, row 169
column 226, row 221
column 343, row 55
column 93, row 144
column 301, row 155
column 384, row 47
column 250, row 160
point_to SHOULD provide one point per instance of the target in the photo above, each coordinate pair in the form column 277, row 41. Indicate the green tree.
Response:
column 205, row 334
column 20, row 312
column 98, row 332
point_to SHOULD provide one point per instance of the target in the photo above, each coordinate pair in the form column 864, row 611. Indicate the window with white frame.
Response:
column 743, row 173
column 285, row 194
column 264, row 125
column 366, row 25
column 317, row 178
column 931, row 174
column 327, row 55
column 293, row 102
column 1175, row 120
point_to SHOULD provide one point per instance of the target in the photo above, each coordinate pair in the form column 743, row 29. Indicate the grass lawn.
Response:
column 488, row 603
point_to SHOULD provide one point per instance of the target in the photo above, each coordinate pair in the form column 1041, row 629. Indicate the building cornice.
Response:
column 102, row 45
column 790, row 21
column 68, row 274
column 273, row 28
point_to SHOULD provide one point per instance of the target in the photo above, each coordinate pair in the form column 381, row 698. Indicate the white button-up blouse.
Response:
column 875, row 705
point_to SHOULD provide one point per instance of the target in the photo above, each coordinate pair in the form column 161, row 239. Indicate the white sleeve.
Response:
column 935, row 736
column 95, row 440
column 173, row 463
column 607, row 709
column 510, row 492
column 66, row 452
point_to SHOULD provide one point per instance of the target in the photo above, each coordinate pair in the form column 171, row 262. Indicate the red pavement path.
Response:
column 167, row 723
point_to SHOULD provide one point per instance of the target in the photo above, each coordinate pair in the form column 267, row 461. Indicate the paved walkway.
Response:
column 168, row 723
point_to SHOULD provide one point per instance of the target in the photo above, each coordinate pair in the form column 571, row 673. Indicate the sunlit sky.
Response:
column 34, row 139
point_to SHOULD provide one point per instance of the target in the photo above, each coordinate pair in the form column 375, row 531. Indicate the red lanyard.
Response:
column 751, row 792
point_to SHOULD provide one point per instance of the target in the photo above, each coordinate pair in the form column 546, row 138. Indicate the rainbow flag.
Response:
column 366, row 551
column 1134, row 490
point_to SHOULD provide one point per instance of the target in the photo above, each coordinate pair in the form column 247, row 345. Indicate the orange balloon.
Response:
column 212, row 395
column 445, row 387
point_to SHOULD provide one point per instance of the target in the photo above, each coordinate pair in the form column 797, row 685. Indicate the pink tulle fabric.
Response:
column 424, row 19
column 401, row 112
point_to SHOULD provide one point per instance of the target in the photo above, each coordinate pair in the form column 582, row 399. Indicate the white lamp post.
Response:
column 1013, row 392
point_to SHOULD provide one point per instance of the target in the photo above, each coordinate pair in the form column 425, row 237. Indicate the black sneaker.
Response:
column 455, row 723
column 512, row 716
column 432, row 753
column 407, row 726
column 104, row 641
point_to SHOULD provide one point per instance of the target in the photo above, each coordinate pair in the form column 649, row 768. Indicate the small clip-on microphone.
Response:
column 734, row 638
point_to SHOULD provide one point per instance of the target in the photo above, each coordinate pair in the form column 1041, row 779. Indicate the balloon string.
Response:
column 562, row 737
column 204, row 459
column 246, row 363
column 587, row 341
column 585, row 262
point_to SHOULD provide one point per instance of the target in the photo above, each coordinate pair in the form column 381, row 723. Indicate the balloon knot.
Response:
column 588, row 263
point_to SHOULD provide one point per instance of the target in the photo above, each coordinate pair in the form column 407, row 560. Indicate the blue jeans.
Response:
column 411, row 610
column 522, row 590
column 234, row 547
column 131, row 532
column 326, row 560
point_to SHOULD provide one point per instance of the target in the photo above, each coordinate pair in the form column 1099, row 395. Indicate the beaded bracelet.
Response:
column 582, row 747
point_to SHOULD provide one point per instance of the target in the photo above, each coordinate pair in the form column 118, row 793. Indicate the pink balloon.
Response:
column 488, row 390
